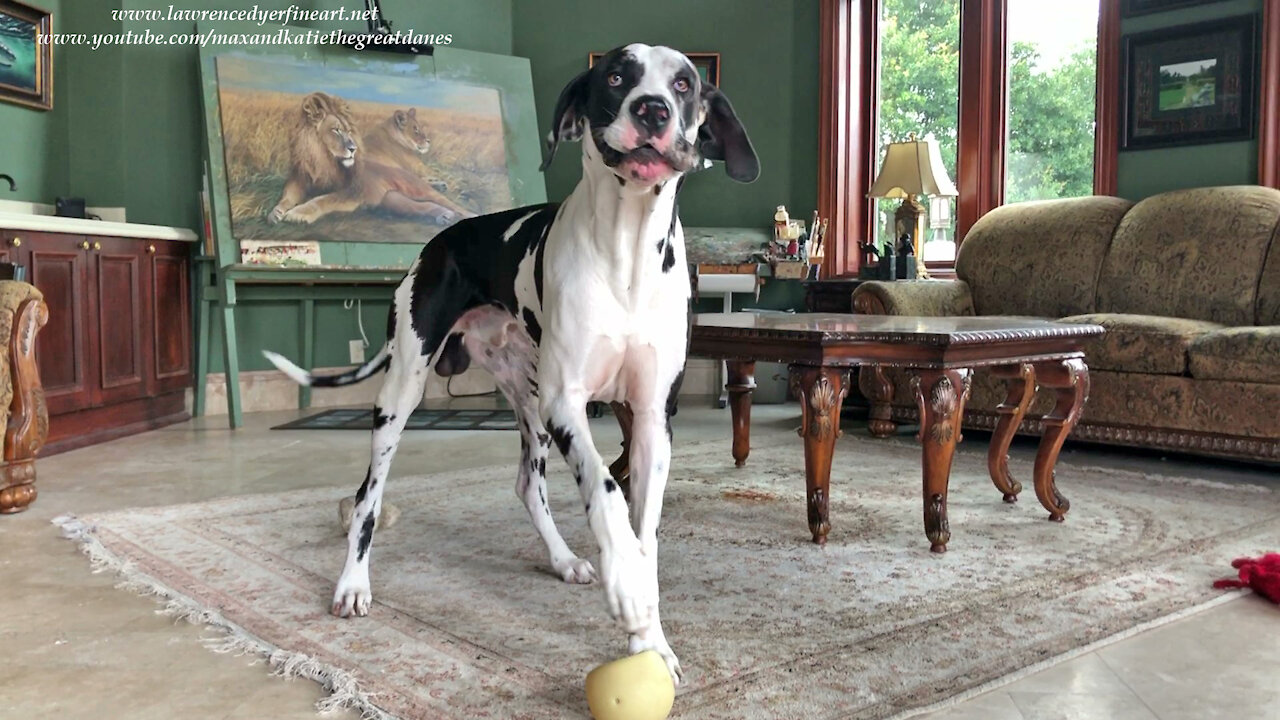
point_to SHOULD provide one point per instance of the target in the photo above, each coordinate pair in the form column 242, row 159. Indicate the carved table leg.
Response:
column 620, row 470
column 28, row 419
column 878, row 389
column 821, row 391
column 742, row 380
column 1022, row 389
column 941, row 395
column 1070, row 382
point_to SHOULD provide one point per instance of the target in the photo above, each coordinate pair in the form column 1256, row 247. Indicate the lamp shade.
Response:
column 912, row 168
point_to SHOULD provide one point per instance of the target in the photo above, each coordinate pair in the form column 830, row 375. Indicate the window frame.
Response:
column 1269, row 100
column 849, row 58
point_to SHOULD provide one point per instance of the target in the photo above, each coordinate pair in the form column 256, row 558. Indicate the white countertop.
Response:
column 77, row 226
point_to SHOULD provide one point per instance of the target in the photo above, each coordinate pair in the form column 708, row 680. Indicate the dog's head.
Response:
column 648, row 117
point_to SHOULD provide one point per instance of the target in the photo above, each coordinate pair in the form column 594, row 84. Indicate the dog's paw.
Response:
column 352, row 597
column 630, row 586
column 275, row 216
column 575, row 570
column 656, row 641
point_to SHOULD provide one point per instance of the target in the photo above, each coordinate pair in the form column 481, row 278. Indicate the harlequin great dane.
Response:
column 563, row 304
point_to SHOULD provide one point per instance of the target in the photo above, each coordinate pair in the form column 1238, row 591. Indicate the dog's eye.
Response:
column 681, row 85
column 615, row 80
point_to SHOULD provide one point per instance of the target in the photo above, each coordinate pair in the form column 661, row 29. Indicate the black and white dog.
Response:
column 563, row 304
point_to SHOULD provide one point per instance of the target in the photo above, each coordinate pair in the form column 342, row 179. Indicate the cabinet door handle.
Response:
column 97, row 246
column 151, row 249
column 84, row 245
column 16, row 242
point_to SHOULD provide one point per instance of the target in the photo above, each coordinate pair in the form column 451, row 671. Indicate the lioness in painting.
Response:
column 328, row 174
column 399, row 141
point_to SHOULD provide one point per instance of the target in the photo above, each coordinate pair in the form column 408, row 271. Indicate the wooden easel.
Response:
column 351, row 270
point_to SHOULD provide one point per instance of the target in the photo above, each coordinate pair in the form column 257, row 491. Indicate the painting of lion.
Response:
column 315, row 153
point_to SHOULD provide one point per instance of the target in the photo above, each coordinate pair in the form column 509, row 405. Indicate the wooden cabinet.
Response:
column 59, row 266
column 115, row 356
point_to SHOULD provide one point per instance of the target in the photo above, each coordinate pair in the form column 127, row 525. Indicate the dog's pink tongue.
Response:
column 648, row 171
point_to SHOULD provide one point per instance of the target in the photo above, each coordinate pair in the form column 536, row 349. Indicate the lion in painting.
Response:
column 329, row 174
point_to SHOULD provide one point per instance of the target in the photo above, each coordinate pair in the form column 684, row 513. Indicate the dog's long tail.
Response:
column 302, row 377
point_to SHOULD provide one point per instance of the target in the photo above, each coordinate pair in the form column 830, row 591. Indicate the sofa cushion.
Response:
column 1142, row 343
column 1249, row 354
column 1269, row 286
column 1195, row 253
column 1039, row 258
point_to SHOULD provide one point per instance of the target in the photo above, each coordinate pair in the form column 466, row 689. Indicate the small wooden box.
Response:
column 790, row 270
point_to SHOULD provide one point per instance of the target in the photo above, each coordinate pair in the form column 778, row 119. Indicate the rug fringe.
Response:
column 343, row 687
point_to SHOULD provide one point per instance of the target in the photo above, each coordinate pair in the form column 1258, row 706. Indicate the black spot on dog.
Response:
column 672, row 394
column 366, row 536
column 544, row 439
column 657, row 189
column 541, row 466
column 364, row 486
column 532, row 327
column 562, row 436
column 622, row 182
column 379, row 419
column 662, row 244
column 542, row 495
column 610, row 485
column 669, row 260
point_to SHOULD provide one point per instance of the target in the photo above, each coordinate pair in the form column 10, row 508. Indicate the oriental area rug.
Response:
column 469, row 623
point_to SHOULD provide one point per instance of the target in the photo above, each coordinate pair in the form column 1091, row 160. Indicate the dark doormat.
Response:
column 351, row 419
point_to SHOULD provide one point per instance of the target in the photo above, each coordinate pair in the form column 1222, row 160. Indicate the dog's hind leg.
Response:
column 400, row 394
column 495, row 340
column 531, row 487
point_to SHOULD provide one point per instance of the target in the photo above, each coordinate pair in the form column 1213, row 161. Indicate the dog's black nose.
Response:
column 652, row 112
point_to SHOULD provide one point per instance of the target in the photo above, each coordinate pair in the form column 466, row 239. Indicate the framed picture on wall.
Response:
column 26, row 63
column 1190, row 84
column 707, row 63
column 1130, row 8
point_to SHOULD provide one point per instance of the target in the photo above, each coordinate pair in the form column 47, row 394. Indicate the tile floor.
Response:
column 74, row 647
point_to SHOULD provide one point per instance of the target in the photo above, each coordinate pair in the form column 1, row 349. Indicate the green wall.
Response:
column 769, row 70
column 33, row 142
column 1143, row 173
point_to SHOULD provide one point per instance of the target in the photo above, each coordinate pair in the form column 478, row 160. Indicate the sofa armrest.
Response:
column 932, row 298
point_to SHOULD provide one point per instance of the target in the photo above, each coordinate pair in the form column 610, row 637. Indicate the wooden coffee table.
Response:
column 821, row 348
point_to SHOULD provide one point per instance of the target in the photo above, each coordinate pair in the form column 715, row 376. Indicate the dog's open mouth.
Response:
column 646, row 164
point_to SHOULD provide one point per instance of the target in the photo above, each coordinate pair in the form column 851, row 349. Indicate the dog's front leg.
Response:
column 650, row 462
column 630, row 577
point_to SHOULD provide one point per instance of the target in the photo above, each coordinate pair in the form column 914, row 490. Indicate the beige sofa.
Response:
column 1187, row 284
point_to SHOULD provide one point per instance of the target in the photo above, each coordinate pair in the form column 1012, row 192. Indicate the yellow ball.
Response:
column 638, row 687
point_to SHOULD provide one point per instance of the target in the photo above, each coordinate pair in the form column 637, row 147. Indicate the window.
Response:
column 1051, row 59
column 1006, row 88
column 919, row 92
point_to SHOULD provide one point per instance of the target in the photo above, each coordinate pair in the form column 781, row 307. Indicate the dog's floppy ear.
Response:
column 722, row 137
column 570, row 115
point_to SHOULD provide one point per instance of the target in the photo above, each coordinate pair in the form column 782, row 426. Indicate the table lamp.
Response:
column 910, row 169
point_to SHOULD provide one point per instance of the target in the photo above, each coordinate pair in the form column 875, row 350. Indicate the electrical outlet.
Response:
column 357, row 351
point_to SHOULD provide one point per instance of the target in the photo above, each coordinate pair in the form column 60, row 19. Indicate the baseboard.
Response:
column 262, row 390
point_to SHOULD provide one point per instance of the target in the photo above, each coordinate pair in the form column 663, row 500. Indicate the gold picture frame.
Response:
column 707, row 63
column 26, row 62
